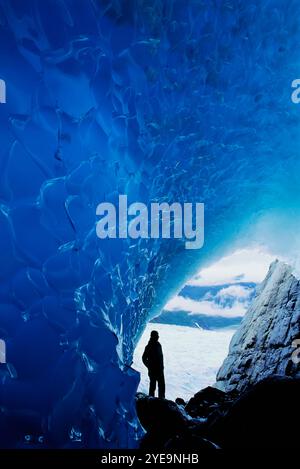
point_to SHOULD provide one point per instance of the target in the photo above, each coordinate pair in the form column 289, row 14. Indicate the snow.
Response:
column 192, row 357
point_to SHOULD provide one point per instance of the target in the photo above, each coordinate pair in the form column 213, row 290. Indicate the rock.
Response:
column 168, row 426
column 266, row 416
column 205, row 401
column 180, row 401
column 159, row 414
column 262, row 346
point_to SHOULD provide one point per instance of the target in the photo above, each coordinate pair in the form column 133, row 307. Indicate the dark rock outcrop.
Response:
column 205, row 402
column 168, row 426
column 265, row 416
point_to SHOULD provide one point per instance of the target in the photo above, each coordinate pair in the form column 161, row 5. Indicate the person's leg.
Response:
column 161, row 385
column 152, row 384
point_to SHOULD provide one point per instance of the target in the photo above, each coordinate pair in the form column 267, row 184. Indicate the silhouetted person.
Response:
column 154, row 361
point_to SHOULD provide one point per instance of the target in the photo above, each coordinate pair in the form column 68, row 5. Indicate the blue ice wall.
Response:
column 160, row 100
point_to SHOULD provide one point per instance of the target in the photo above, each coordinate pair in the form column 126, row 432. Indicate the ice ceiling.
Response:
column 160, row 100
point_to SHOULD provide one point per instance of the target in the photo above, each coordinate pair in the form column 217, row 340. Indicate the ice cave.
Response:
column 163, row 101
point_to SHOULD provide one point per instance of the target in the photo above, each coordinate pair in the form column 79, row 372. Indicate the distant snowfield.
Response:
column 192, row 357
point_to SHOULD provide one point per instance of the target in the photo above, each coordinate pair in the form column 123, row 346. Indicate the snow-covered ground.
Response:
column 192, row 357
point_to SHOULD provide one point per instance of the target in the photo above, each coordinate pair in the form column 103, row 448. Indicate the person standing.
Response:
column 153, row 359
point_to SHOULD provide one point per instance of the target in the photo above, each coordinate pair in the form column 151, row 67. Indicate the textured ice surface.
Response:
column 166, row 100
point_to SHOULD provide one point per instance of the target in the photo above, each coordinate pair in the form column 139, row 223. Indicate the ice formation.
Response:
column 162, row 101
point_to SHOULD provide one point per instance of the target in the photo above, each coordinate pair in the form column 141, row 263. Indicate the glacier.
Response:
column 162, row 101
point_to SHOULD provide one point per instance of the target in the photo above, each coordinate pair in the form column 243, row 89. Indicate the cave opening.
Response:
column 196, row 325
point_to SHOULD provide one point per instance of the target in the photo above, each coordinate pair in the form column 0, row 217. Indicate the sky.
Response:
column 247, row 265
column 228, row 285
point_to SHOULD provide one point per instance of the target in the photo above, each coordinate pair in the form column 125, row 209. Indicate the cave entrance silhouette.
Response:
column 196, row 325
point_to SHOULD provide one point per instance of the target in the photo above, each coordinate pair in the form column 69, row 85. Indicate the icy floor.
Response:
column 192, row 357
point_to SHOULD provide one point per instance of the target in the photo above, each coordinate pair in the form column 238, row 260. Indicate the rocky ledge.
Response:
column 264, row 416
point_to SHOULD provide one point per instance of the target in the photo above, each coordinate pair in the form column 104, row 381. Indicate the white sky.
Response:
column 245, row 265
column 236, row 291
column 205, row 307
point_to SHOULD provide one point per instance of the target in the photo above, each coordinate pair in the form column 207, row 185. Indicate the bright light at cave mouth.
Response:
column 196, row 326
